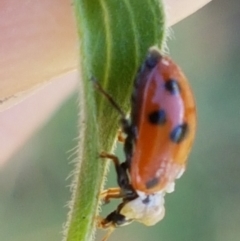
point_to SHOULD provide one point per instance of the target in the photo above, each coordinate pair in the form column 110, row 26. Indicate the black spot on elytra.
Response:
column 157, row 117
column 152, row 183
column 172, row 86
column 179, row 133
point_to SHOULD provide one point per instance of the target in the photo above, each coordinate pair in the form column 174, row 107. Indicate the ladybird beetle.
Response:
column 159, row 137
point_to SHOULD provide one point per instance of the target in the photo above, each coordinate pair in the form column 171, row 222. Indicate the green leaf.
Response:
column 114, row 38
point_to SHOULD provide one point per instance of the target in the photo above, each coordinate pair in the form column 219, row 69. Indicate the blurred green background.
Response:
column 206, row 204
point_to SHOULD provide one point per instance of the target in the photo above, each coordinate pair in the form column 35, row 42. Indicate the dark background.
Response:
column 206, row 203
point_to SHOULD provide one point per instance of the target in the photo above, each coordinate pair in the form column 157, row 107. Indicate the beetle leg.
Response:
column 105, row 224
column 111, row 229
column 122, row 176
column 120, row 136
column 112, row 157
column 111, row 193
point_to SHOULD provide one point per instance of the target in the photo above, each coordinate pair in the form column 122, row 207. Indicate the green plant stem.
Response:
column 114, row 39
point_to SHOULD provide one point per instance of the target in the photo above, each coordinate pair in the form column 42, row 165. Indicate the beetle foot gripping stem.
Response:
column 110, row 193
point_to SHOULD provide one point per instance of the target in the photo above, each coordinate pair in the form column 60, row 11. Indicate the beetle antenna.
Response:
column 108, row 97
